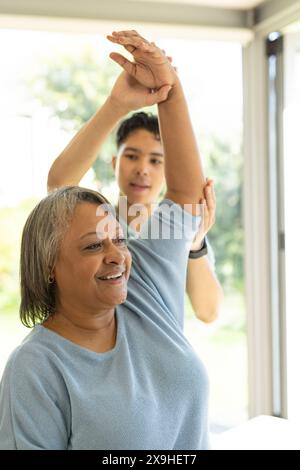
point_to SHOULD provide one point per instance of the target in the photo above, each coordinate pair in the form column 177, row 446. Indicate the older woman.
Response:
column 107, row 365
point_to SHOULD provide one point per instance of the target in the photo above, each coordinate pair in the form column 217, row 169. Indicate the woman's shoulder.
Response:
column 33, row 353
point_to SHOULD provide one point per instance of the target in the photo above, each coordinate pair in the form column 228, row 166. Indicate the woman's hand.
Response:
column 208, row 214
column 151, row 67
column 128, row 94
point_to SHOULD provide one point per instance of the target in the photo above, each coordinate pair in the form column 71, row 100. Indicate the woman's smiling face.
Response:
column 93, row 266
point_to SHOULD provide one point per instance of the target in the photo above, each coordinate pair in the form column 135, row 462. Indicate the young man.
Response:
column 140, row 174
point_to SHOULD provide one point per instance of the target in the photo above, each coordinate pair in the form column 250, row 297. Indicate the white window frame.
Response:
column 272, row 16
column 291, row 132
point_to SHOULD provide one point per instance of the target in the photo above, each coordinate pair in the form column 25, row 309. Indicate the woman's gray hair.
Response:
column 41, row 239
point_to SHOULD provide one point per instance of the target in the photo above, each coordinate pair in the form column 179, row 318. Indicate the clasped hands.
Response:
column 148, row 79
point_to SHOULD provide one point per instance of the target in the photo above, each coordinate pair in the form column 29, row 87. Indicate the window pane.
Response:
column 45, row 121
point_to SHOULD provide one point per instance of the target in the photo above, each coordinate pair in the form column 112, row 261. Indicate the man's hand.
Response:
column 151, row 67
column 128, row 94
column 208, row 214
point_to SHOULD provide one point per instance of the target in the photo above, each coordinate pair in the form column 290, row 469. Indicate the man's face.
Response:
column 139, row 167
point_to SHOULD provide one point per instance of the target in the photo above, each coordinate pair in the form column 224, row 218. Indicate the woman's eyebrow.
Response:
column 118, row 233
column 86, row 234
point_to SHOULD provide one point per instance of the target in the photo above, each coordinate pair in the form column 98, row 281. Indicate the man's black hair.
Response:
column 137, row 121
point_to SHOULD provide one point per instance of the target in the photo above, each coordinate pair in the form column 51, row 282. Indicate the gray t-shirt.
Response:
column 149, row 392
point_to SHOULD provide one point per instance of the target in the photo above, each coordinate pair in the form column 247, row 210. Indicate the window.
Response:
column 212, row 75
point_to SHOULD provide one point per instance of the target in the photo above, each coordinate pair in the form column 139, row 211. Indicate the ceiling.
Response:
column 239, row 4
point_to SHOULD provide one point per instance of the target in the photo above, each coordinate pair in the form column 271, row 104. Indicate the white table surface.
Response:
column 260, row 433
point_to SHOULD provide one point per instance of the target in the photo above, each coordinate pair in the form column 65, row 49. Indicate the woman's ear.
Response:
column 114, row 162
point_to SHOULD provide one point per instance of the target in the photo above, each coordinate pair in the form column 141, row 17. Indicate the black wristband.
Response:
column 194, row 254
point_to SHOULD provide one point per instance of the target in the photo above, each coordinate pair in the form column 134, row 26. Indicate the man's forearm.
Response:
column 183, row 169
column 204, row 289
column 78, row 157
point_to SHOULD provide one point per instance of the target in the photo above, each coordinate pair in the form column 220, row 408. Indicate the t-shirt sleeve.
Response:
column 160, row 254
column 34, row 410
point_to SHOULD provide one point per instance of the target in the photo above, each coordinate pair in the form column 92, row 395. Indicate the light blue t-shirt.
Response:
column 131, row 233
column 149, row 392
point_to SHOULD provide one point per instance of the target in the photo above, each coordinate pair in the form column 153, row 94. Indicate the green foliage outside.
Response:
column 224, row 165
column 12, row 222
column 73, row 89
